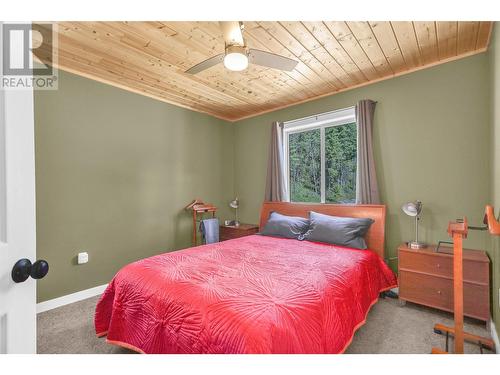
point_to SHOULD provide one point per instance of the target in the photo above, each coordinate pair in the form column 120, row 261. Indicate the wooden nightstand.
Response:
column 230, row 232
column 426, row 277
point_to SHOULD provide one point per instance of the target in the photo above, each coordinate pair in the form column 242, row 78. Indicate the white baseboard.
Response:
column 69, row 298
column 494, row 336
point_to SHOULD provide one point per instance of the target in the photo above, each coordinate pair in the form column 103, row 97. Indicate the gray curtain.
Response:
column 366, row 184
column 275, row 182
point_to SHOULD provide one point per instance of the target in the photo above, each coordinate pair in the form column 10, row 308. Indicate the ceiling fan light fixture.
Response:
column 236, row 58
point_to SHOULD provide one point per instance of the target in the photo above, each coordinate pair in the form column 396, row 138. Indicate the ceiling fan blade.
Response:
column 232, row 32
column 271, row 60
column 208, row 63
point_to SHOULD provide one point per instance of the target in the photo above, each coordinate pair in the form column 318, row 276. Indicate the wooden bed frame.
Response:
column 375, row 238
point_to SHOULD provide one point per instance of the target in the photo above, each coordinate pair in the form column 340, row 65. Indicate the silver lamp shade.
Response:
column 235, row 203
column 413, row 209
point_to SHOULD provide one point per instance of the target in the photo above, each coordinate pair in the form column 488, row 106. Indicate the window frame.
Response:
column 321, row 121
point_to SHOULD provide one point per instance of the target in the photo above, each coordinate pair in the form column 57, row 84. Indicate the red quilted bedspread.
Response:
column 249, row 295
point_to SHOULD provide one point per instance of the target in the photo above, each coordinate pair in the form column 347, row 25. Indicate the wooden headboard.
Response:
column 375, row 237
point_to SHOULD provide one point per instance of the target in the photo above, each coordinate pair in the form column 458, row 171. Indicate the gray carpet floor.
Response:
column 390, row 328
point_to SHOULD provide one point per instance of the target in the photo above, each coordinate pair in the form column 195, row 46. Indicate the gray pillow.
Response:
column 342, row 231
column 285, row 226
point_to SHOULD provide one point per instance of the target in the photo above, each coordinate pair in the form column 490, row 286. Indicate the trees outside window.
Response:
column 321, row 161
column 340, row 163
column 305, row 166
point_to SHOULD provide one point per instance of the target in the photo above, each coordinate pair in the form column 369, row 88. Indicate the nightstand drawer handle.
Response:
column 438, row 265
column 439, row 292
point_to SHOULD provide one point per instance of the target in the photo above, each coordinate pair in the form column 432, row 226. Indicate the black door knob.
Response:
column 39, row 269
column 21, row 270
column 24, row 269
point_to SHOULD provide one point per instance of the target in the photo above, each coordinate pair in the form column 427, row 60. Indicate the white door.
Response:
column 17, row 219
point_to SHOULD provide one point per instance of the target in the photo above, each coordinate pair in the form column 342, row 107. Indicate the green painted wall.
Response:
column 431, row 143
column 113, row 173
column 114, row 169
column 494, row 55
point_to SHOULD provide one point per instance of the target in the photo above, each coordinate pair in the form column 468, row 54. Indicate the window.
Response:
column 321, row 157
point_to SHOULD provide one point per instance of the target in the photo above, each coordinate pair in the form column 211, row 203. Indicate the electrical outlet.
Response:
column 83, row 257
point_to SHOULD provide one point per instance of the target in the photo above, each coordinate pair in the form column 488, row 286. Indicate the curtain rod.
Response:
column 316, row 115
column 320, row 114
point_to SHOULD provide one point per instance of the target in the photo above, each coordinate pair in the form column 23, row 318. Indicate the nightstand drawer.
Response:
column 428, row 290
column 229, row 233
column 476, row 272
column 233, row 232
column 437, row 292
column 435, row 265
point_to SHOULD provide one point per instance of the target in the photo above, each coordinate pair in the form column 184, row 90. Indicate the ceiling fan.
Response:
column 237, row 55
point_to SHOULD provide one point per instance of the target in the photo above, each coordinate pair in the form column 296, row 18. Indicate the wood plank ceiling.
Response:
column 150, row 58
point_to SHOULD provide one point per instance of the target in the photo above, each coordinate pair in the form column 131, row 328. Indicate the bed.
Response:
column 255, row 294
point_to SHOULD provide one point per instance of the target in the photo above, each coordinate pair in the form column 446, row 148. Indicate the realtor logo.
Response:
column 28, row 56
